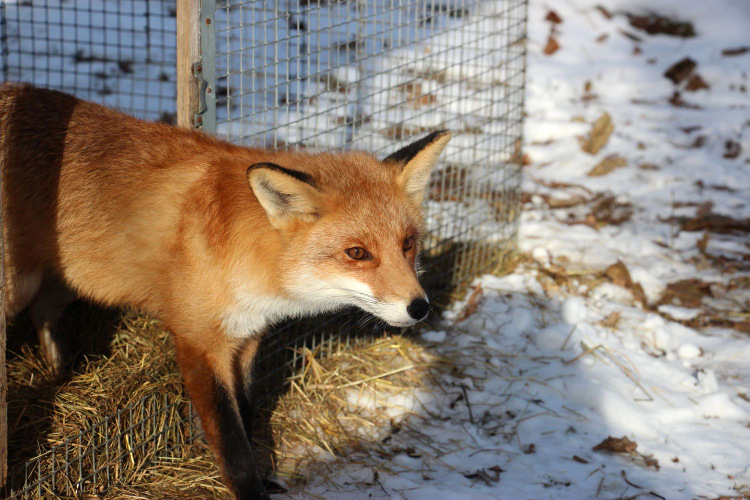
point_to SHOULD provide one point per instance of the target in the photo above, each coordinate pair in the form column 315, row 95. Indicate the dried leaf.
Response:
column 553, row 17
column 651, row 462
column 736, row 51
column 686, row 293
column 619, row 275
column 696, row 83
column 654, row 24
column 612, row 320
column 580, row 460
column 607, row 165
column 599, row 135
column 617, row 445
column 471, row 304
column 552, row 45
column 681, row 70
column 732, row 149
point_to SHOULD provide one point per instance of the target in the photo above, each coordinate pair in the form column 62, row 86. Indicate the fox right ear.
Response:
column 418, row 160
column 284, row 194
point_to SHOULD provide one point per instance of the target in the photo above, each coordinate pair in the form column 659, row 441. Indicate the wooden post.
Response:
column 188, row 51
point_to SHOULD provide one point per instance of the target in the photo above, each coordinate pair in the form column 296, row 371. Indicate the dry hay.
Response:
column 315, row 420
column 343, row 405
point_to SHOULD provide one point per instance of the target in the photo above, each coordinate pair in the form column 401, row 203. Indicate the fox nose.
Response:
column 418, row 309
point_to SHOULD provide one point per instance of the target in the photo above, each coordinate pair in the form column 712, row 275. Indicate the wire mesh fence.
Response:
column 113, row 450
column 121, row 53
column 323, row 74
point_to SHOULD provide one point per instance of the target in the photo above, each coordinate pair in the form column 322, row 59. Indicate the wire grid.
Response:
column 376, row 75
column 372, row 75
column 121, row 54
column 113, row 450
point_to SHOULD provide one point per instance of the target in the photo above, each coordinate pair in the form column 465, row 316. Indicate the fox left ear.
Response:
column 283, row 193
column 418, row 159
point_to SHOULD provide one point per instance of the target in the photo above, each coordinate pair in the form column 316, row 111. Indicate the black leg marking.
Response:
column 239, row 463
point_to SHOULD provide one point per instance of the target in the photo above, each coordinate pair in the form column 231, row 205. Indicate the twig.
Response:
column 468, row 404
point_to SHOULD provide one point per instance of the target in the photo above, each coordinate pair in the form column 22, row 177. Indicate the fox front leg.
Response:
column 212, row 380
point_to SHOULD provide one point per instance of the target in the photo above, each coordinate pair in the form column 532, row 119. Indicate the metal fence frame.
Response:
column 248, row 93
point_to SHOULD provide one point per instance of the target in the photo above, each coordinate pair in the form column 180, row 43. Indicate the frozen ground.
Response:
column 628, row 316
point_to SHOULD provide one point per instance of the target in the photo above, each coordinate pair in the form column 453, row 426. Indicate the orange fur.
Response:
column 131, row 213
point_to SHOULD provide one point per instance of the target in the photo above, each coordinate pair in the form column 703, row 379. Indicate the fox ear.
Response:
column 418, row 159
column 284, row 194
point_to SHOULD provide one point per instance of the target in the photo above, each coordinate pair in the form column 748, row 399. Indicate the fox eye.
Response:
column 358, row 253
column 408, row 243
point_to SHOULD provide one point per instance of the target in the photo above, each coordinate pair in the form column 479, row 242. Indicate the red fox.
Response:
column 218, row 241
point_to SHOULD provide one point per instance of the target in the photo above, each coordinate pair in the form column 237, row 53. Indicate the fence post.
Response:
column 188, row 52
column 196, row 73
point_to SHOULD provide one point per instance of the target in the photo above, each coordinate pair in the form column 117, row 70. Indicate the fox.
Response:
column 216, row 240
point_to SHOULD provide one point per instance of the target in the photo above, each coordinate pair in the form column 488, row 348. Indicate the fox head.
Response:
column 350, row 228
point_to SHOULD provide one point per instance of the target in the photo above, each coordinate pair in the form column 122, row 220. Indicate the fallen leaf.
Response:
column 737, row 51
column 680, row 70
column 654, row 24
column 599, row 135
column 686, row 293
column 607, row 165
column 651, row 462
column 619, row 275
column 696, row 83
column 612, row 320
column 601, row 38
column 553, row 17
column 732, row 149
column 617, row 445
column 580, row 460
column 715, row 223
column 471, row 304
column 552, row 45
